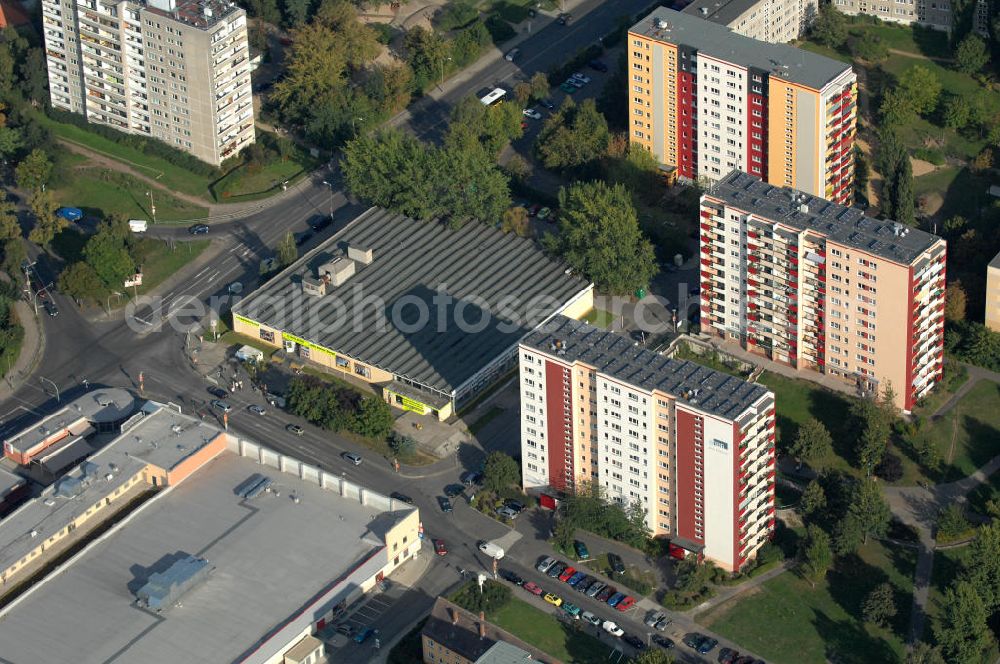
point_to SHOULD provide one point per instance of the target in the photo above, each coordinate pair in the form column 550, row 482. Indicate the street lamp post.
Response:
column 152, row 205
column 447, row 58
column 52, row 383
column 330, row 185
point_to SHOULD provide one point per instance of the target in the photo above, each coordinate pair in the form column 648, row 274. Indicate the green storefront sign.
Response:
column 307, row 344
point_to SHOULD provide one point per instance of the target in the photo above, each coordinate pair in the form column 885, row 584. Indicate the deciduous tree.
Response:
column 921, row 88
column 34, row 171
column 957, row 112
column 107, row 252
column 971, row 54
column 880, row 605
column 515, row 220
column 961, row 629
column 573, row 137
column 599, row 236
column 288, row 253
column 813, row 499
column 954, row 302
column 43, row 206
column 923, row 653
column 81, row 282
column 870, row 509
column 982, row 568
column 812, row 442
column 500, row 472
column 815, row 555
column 830, row 27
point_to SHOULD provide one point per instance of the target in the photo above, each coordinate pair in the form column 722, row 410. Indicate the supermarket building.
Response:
column 430, row 313
column 286, row 558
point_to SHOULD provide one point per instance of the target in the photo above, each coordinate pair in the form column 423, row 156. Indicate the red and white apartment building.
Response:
column 821, row 287
column 693, row 446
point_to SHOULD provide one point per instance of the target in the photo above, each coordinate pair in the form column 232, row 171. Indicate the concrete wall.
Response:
column 197, row 460
column 992, row 316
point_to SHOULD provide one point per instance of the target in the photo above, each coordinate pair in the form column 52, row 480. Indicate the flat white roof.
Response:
column 97, row 406
column 273, row 557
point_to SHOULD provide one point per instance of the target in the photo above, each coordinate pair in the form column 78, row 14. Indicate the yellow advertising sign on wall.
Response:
column 307, row 344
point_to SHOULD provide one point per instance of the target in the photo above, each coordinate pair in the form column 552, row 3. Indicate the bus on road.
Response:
column 493, row 97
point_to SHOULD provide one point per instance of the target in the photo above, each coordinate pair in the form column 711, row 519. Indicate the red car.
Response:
column 440, row 548
column 533, row 588
column 626, row 603
column 568, row 572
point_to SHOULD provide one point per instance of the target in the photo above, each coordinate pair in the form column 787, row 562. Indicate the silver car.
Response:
column 221, row 405
column 545, row 565
column 596, row 588
column 591, row 618
column 256, row 410
column 352, row 457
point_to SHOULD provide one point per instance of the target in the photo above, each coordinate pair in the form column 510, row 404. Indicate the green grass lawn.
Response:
column 635, row 578
column 102, row 192
column 240, row 184
column 984, row 493
column 159, row 261
column 797, row 400
column 542, row 630
column 789, row 622
column 974, row 424
column 710, row 360
column 916, row 40
column 600, row 318
column 173, row 177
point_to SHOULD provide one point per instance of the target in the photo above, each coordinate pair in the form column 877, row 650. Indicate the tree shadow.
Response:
column 470, row 457
column 850, row 582
column 983, row 441
column 847, row 642
column 542, row 522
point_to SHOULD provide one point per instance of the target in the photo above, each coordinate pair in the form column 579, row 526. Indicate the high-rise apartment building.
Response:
column 773, row 21
column 820, row 286
column 174, row 70
column 693, row 446
column 930, row 13
column 992, row 314
column 707, row 101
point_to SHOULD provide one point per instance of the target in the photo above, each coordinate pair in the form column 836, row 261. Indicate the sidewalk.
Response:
column 32, row 349
column 734, row 349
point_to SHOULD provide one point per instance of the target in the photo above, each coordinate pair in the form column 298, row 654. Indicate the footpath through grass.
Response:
column 787, row 621
column 566, row 642
column 102, row 192
column 968, row 435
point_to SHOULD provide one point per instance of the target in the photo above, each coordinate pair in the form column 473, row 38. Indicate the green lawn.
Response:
column 102, row 192
column 240, row 184
column 920, row 41
column 797, row 400
column 984, row 493
column 710, row 360
column 974, row 424
column 173, row 177
column 964, row 192
column 600, row 318
column 542, row 630
column 159, row 261
column 789, row 622
column 634, row 579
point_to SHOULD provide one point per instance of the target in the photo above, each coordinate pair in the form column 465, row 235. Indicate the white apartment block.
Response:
column 174, row 70
column 931, row 13
column 774, row 21
column 694, row 447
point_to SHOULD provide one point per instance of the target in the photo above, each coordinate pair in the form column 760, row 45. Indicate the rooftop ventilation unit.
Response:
column 337, row 271
column 360, row 254
column 315, row 287
column 661, row 23
column 165, row 588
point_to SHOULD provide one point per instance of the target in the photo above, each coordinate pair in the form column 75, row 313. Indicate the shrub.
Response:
column 456, row 15
column 952, row 524
column 928, row 154
column 891, row 468
column 403, row 446
column 511, row 12
column 500, row 30
column 383, row 32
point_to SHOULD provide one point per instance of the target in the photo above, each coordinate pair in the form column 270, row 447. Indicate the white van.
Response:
column 491, row 550
column 138, row 225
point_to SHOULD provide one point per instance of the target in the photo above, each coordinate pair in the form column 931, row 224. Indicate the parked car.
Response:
column 512, row 54
column 256, row 410
column 576, row 578
column 544, row 213
column 627, row 603
column 453, row 490
column 533, row 588
column 548, row 103
column 707, row 645
column 597, row 65
column 583, row 78
column 605, row 593
column 198, row 229
column 545, row 564
column 395, row 495
column 591, row 618
column 615, row 599
column 553, row 599
column 515, row 505
column 507, row 512
column 727, row 656
column 508, row 575
column 693, row 640
column 567, row 87
column 595, row 588
column 634, row 641
column 320, row 222
column 440, row 547
column 445, row 504
column 575, row 82
column 663, row 642
column 221, row 405
column 571, row 609
column 492, row 550
column 616, row 563
column 532, row 113
column 565, row 575
column 533, row 209
column 471, row 477
column 582, row 552
column 583, row 584
column 746, row 659
column 556, row 570
column 296, row 429
column 302, row 238
column 352, row 458
column 611, row 627
column 363, row 635
column 662, row 623
column 346, row 629
column 218, row 392
column 564, row 19
column 653, row 617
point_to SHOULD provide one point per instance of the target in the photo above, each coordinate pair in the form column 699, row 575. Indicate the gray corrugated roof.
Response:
column 790, row 63
column 414, row 260
column 617, row 356
column 722, row 12
column 846, row 225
